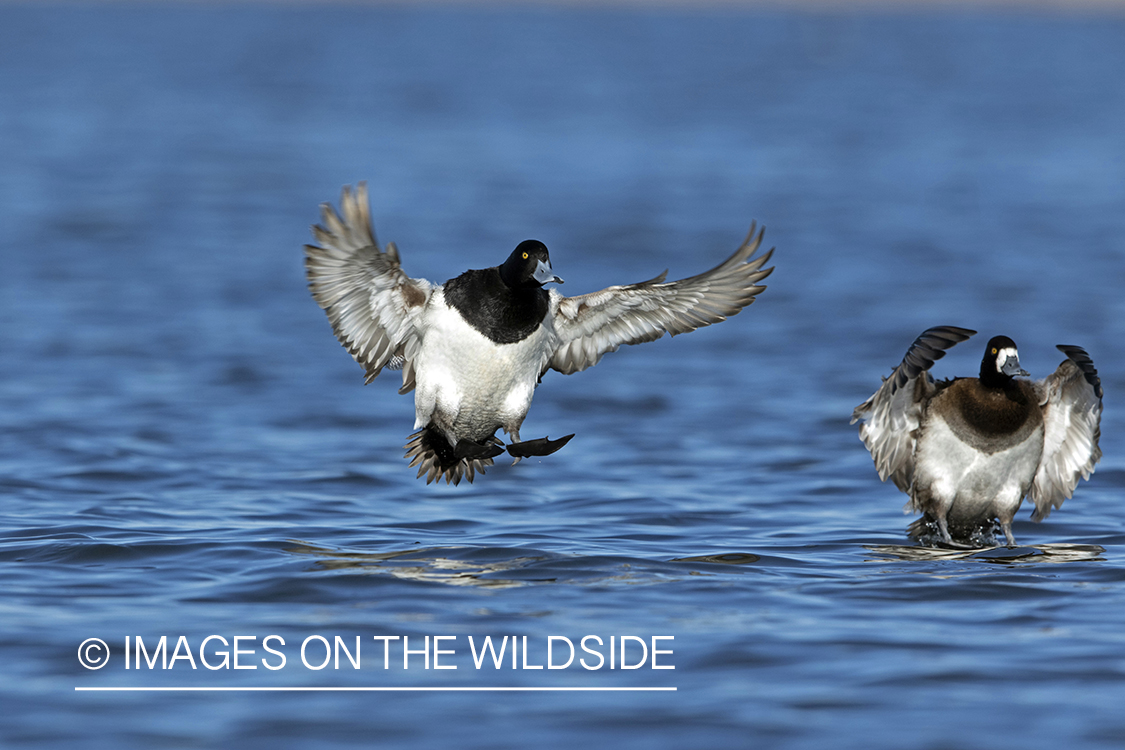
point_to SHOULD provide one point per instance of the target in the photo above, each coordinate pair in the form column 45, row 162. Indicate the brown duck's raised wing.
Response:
column 591, row 325
column 892, row 415
column 373, row 306
column 1072, row 413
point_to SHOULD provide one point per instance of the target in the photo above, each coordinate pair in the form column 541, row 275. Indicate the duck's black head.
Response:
column 1001, row 363
column 528, row 266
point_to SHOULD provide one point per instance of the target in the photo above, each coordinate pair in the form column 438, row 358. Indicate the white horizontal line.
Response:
column 369, row 689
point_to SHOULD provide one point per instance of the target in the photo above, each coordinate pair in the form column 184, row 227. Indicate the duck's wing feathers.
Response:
column 375, row 308
column 1072, row 412
column 591, row 325
column 892, row 415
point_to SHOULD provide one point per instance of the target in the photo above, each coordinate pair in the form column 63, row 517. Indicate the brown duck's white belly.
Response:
column 972, row 478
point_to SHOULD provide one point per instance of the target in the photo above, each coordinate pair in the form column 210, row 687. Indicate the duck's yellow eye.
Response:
column 994, row 350
column 525, row 258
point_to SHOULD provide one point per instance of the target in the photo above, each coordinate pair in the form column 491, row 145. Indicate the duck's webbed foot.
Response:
column 468, row 449
column 538, row 447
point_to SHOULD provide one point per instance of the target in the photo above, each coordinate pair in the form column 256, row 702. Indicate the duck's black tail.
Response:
column 438, row 459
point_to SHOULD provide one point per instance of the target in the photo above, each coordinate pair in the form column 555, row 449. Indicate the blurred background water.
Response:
column 186, row 450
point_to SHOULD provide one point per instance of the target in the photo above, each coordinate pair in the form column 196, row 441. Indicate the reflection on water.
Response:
column 496, row 567
column 729, row 558
column 1039, row 553
column 491, row 567
column 427, row 564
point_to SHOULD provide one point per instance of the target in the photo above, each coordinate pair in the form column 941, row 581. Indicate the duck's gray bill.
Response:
column 1012, row 368
column 543, row 273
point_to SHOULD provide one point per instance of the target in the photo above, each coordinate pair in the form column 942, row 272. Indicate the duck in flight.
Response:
column 968, row 450
column 474, row 348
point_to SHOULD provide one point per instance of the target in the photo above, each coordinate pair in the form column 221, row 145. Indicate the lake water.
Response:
column 185, row 450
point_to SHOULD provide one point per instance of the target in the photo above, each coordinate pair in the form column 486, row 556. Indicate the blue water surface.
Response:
column 185, row 450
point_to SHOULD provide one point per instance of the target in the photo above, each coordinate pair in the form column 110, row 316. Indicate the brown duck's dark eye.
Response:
column 525, row 258
column 994, row 350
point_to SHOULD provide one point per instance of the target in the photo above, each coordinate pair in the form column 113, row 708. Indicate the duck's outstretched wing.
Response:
column 1072, row 414
column 591, row 325
column 891, row 416
column 373, row 306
